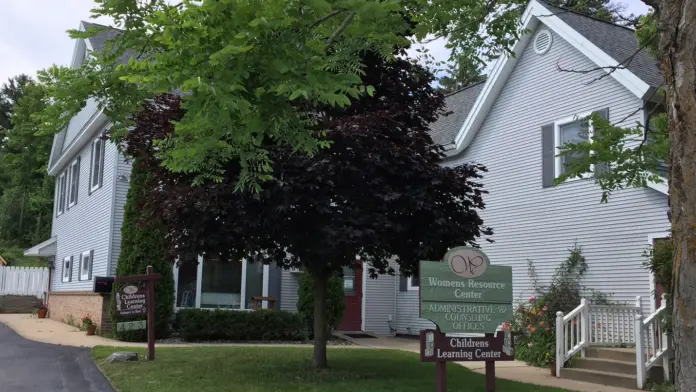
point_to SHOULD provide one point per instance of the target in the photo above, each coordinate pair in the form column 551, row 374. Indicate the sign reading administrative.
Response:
column 131, row 301
column 465, row 293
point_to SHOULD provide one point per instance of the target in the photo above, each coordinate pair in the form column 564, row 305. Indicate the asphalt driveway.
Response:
column 26, row 365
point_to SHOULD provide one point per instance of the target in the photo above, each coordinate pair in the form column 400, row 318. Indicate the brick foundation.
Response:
column 67, row 306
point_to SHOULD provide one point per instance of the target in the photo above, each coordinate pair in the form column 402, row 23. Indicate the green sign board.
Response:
column 465, row 293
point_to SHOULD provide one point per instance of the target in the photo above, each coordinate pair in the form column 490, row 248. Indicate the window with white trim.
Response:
column 413, row 282
column 574, row 129
column 96, row 173
column 60, row 194
column 86, row 265
column 67, row 269
column 212, row 283
column 74, row 182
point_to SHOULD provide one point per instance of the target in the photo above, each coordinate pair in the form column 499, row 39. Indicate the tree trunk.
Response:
column 676, row 46
column 321, row 331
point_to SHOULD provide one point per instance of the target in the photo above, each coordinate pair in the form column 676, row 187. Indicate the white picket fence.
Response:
column 24, row 281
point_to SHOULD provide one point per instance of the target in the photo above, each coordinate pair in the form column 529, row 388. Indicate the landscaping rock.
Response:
column 122, row 356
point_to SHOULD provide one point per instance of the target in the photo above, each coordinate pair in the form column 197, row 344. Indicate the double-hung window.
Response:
column 96, row 173
column 60, row 194
column 74, row 182
column 86, row 265
column 67, row 269
column 574, row 129
column 413, row 282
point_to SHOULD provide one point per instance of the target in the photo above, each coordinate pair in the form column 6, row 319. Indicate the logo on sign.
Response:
column 467, row 262
column 130, row 289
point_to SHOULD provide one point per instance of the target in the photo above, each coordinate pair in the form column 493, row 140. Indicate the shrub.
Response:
column 144, row 243
column 535, row 320
column 263, row 325
column 335, row 302
column 660, row 257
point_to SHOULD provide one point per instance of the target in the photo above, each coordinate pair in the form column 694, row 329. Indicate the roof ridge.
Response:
column 545, row 2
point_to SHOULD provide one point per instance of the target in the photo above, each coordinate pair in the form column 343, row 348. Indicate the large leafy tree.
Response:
column 378, row 194
column 242, row 66
column 26, row 191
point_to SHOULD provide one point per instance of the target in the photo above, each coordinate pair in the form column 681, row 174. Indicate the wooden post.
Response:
column 150, row 283
column 490, row 371
column 440, row 369
column 560, row 343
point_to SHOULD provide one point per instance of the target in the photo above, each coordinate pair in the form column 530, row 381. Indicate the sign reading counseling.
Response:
column 465, row 294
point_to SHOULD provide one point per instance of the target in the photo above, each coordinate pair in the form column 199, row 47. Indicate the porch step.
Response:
column 615, row 354
column 600, row 377
column 605, row 365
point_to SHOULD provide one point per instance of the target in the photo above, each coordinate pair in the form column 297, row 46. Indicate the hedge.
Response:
column 263, row 325
column 144, row 243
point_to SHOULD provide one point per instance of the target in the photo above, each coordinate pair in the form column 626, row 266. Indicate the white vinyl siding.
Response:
column 87, row 225
column 380, row 304
column 77, row 123
column 289, row 283
column 541, row 224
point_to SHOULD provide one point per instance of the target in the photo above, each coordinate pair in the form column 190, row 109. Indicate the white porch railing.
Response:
column 652, row 344
column 24, row 281
column 608, row 325
column 571, row 334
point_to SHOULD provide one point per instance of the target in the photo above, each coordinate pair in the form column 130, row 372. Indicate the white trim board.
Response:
column 504, row 66
column 651, row 239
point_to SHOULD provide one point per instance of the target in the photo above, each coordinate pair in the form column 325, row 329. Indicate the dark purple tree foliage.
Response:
column 378, row 192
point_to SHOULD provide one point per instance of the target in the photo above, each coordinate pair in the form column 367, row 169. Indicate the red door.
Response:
column 352, row 289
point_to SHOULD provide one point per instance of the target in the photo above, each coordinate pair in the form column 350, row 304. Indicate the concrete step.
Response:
column 616, row 354
column 605, row 365
column 599, row 377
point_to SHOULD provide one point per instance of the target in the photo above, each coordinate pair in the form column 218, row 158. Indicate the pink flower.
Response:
column 532, row 299
column 548, row 329
column 545, row 308
column 529, row 345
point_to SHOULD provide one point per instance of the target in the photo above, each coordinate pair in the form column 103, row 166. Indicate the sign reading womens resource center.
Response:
column 465, row 294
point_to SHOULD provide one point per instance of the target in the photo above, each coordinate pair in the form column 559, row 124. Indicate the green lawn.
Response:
column 267, row 369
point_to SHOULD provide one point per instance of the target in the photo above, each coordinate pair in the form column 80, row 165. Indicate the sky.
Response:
column 34, row 36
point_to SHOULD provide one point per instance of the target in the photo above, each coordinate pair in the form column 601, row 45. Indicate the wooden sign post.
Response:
column 465, row 294
column 134, row 301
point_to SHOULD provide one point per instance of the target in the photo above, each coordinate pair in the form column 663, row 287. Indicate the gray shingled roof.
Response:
column 458, row 105
column 617, row 41
column 105, row 34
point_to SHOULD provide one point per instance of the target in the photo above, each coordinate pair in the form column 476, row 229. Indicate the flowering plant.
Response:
column 87, row 321
column 42, row 306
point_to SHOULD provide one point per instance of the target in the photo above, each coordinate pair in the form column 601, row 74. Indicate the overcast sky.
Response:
column 34, row 34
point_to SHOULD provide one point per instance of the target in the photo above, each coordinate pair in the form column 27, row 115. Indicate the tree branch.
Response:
column 343, row 26
column 327, row 17
column 611, row 68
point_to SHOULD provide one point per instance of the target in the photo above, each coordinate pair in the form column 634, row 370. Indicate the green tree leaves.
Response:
column 242, row 66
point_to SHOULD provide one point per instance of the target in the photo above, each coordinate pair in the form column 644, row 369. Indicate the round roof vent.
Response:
column 542, row 41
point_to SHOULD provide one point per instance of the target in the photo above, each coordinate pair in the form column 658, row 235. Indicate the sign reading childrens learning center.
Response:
column 465, row 293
